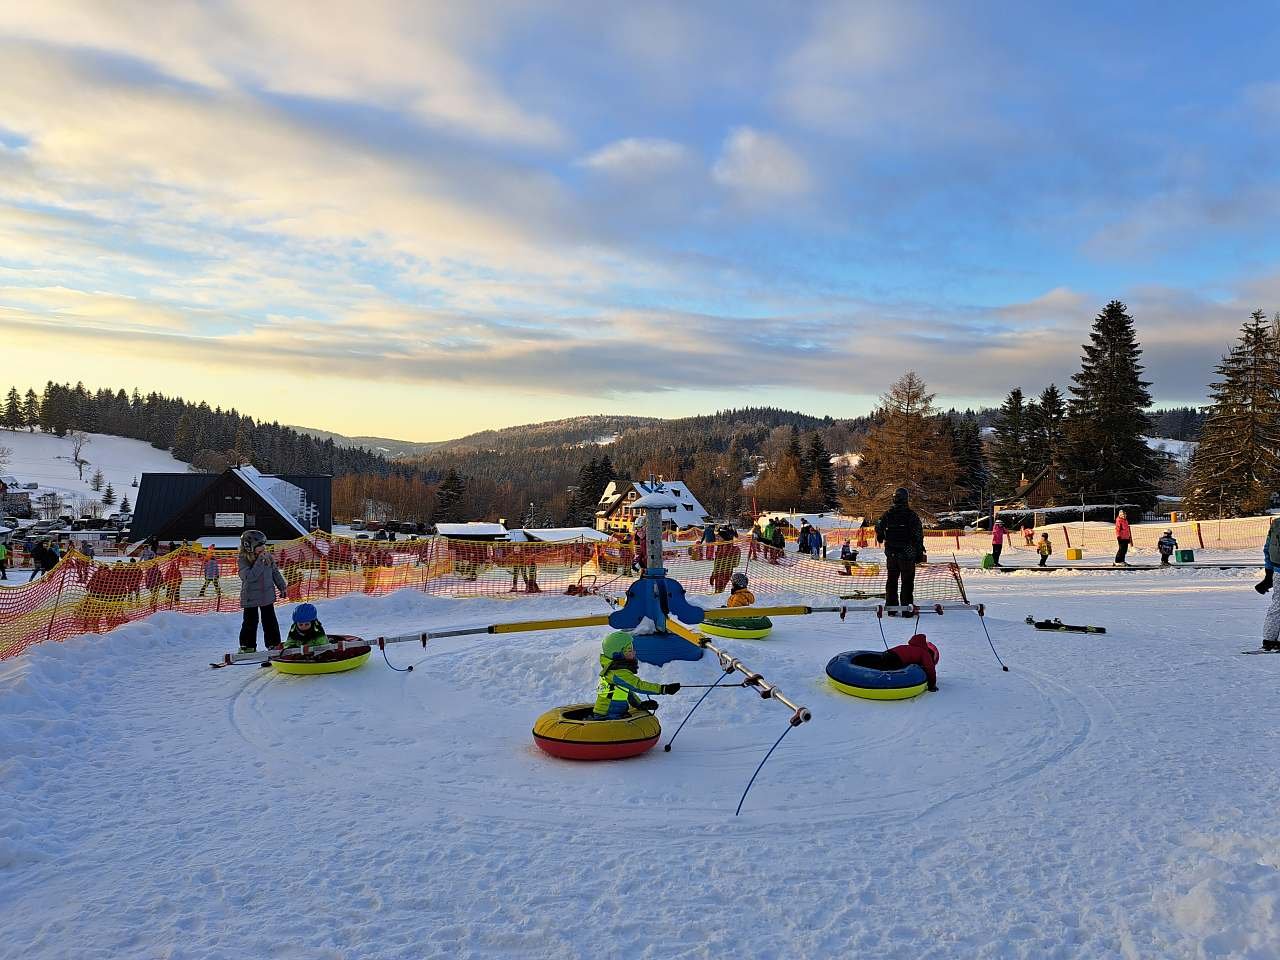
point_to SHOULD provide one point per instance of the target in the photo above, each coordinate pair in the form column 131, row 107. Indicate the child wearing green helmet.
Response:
column 615, row 694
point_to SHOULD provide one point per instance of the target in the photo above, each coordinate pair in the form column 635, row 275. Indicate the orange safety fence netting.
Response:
column 80, row 595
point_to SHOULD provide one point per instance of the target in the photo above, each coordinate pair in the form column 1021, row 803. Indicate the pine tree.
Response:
column 821, row 491
column 971, row 463
column 1046, row 419
column 124, row 505
column 185, row 443
column 908, row 447
column 1009, row 450
column 796, row 453
column 1106, row 456
column 449, row 498
column 95, row 483
column 31, row 410
column 13, row 410
column 108, row 496
column 1236, row 466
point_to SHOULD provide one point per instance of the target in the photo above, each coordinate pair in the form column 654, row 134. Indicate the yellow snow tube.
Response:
column 331, row 661
column 745, row 628
column 571, row 733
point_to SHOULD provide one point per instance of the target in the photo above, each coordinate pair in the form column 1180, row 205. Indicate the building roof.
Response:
column 688, row 512
column 268, row 490
column 162, row 496
column 464, row 531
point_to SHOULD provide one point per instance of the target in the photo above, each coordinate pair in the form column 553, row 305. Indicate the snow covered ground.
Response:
column 47, row 460
column 1110, row 796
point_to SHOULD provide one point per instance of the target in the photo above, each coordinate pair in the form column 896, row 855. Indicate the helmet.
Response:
column 615, row 643
column 250, row 540
column 304, row 613
column 1168, row 533
column 738, row 581
column 900, row 496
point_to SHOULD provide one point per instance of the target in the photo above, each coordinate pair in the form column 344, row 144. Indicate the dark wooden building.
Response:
column 188, row 506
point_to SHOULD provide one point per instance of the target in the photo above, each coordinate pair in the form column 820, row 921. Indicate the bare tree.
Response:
column 88, row 507
column 50, row 505
column 78, row 439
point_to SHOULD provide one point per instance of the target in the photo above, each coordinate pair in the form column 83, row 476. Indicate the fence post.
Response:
column 54, row 616
column 1199, row 535
column 1066, row 534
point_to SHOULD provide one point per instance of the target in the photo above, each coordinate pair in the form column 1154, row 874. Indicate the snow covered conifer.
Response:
column 1236, row 467
column 1106, row 454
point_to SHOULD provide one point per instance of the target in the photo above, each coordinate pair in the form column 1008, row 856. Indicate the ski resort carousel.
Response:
column 571, row 733
column 859, row 674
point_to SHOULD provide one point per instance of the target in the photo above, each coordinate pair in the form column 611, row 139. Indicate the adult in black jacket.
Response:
column 902, row 534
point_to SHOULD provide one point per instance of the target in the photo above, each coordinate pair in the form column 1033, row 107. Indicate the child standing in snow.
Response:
column 741, row 596
column 211, row 575
column 307, row 630
column 615, row 694
column 1166, row 545
column 1044, row 548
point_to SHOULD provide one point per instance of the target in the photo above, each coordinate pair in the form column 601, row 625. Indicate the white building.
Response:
column 615, row 514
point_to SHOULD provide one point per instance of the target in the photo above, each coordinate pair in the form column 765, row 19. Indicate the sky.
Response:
column 418, row 220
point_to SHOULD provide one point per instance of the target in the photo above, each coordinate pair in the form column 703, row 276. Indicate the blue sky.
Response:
column 421, row 219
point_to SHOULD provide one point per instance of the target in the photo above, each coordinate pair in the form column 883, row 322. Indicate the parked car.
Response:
column 357, row 524
column 10, row 522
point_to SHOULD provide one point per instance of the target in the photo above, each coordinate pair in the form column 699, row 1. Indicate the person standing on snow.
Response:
column 1166, row 545
column 211, row 575
column 4, row 560
column 260, row 578
column 1124, row 538
column 1044, row 548
column 902, row 534
column 615, row 694
column 1271, row 554
column 998, row 533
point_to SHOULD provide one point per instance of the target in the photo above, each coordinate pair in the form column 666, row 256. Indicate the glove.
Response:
column 1264, row 584
column 650, row 705
column 671, row 688
column 934, row 688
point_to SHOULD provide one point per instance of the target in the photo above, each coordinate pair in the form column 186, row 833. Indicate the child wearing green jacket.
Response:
column 306, row 631
column 615, row 694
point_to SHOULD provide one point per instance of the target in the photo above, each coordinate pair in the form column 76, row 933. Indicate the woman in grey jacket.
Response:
column 260, row 578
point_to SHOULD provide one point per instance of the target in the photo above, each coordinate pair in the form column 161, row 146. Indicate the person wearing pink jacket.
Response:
column 1124, row 538
column 998, row 533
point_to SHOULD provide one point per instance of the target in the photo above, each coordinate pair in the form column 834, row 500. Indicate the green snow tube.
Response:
column 744, row 628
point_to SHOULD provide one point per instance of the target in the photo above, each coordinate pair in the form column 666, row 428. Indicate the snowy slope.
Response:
column 1109, row 797
column 45, row 459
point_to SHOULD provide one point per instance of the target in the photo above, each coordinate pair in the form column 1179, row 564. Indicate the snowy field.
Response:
column 1111, row 796
column 47, row 460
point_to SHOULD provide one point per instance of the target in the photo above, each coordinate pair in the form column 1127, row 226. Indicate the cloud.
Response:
column 637, row 157
column 759, row 167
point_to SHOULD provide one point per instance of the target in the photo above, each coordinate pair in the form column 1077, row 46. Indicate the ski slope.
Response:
column 1108, row 797
column 47, row 460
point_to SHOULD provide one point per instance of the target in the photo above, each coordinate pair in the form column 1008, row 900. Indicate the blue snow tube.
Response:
column 858, row 673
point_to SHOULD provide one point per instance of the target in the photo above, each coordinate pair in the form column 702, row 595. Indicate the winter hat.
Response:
column 615, row 643
column 738, row 581
column 304, row 613
column 900, row 496
column 923, row 642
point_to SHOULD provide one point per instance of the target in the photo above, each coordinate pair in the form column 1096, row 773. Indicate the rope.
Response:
column 883, row 638
column 710, row 687
column 983, row 620
column 742, row 800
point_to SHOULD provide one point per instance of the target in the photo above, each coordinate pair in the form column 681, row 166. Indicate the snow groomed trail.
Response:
column 1109, row 797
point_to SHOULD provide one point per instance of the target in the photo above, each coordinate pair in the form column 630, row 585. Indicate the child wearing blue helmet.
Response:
column 307, row 630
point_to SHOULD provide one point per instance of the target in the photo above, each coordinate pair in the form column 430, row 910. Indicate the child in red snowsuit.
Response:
column 919, row 651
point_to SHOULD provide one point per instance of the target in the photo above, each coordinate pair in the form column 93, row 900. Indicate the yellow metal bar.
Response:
column 520, row 626
column 680, row 630
column 736, row 613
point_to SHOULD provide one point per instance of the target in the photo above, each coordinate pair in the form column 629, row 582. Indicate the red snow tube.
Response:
column 571, row 733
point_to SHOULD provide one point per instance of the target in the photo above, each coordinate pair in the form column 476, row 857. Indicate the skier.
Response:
column 260, row 578
column 1044, row 548
column 1271, row 623
column 998, row 534
column 741, row 596
column 917, row 650
column 211, row 575
column 1124, row 538
column 307, row 630
column 902, row 534
column 1166, row 545
column 615, row 694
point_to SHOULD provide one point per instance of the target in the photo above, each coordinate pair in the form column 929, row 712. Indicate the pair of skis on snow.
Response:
column 1058, row 625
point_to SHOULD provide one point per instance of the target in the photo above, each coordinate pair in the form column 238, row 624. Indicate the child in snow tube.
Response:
column 615, row 694
column 917, row 650
column 741, row 596
column 307, row 631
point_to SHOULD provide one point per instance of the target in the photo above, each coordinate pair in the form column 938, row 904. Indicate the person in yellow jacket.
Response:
column 616, row 692
column 741, row 596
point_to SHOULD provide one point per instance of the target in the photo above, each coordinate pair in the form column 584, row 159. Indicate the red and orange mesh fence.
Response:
column 90, row 596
